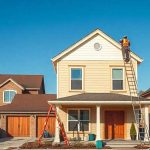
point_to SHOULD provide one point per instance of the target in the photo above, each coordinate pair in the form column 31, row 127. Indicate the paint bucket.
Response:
column 99, row 144
column 91, row 137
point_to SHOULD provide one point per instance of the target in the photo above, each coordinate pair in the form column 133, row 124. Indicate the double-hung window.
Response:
column 117, row 79
column 76, row 78
column 8, row 96
column 78, row 120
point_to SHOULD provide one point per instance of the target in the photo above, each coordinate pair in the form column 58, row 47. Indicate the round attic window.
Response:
column 97, row 46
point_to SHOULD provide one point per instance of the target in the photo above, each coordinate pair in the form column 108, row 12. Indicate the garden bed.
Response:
column 50, row 145
column 142, row 146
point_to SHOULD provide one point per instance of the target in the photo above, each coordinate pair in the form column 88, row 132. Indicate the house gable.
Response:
column 109, row 47
column 86, row 51
column 11, row 80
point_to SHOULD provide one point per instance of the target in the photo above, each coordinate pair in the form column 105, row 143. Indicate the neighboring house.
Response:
column 146, row 94
column 24, row 106
column 19, row 84
column 92, row 89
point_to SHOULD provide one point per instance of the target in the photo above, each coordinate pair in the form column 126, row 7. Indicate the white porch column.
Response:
column 146, row 111
column 98, row 134
column 57, row 137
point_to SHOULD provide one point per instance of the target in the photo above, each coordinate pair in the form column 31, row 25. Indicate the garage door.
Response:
column 18, row 126
column 50, row 126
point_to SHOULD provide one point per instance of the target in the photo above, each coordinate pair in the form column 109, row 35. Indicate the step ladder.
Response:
column 139, row 114
column 52, row 108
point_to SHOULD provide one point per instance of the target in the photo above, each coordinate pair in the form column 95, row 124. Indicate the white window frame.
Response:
column 7, row 91
column 123, row 78
column 78, row 109
column 77, row 67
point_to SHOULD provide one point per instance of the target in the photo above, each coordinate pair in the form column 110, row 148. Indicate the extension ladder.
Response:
column 138, row 111
column 53, row 109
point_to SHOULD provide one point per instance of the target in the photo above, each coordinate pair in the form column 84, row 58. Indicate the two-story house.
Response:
column 23, row 106
column 92, row 89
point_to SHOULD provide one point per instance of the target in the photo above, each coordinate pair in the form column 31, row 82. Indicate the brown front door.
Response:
column 18, row 126
column 114, row 125
column 50, row 125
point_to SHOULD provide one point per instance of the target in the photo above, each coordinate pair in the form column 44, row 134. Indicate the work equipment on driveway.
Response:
column 52, row 108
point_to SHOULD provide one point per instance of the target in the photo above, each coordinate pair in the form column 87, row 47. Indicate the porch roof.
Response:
column 98, row 98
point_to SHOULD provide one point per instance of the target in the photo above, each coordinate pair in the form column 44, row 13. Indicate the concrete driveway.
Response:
column 6, row 143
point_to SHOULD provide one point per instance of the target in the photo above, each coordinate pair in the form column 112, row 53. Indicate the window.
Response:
column 78, row 120
column 117, row 79
column 76, row 78
column 8, row 96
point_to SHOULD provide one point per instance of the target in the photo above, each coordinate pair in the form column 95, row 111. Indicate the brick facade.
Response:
column 33, row 126
column 9, row 86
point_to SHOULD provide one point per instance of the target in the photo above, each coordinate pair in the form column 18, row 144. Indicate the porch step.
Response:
column 121, row 143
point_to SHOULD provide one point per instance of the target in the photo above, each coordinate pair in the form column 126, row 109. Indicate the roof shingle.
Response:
column 99, row 97
column 27, row 81
column 28, row 103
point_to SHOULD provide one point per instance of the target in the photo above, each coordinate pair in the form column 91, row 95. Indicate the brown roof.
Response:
column 27, row 81
column 99, row 97
column 28, row 103
column 146, row 93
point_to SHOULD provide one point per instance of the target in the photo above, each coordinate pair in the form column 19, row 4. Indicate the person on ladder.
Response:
column 125, row 43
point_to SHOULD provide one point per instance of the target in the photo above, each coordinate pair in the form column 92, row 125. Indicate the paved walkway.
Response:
column 6, row 143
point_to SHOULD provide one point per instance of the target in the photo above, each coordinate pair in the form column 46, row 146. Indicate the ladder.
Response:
column 139, row 114
column 53, row 109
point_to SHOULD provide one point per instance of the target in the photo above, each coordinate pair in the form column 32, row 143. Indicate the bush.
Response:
column 133, row 130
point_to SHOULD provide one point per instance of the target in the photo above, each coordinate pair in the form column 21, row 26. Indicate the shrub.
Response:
column 133, row 130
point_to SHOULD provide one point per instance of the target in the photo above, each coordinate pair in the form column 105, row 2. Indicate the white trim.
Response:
column 33, row 88
column 57, row 128
column 98, row 121
column 78, row 109
column 95, row 102
column 13, row 82
column 57, row 80
column 102, row 34
column 7, row 91
column 124, row 81
column 146, row 112
column 77, row 67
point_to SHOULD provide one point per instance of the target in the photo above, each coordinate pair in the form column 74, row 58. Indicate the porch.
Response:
column 107, row 117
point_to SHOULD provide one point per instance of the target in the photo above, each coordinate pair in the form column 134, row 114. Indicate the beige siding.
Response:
column 97, row 77
column 86, row 50
column 129, row 118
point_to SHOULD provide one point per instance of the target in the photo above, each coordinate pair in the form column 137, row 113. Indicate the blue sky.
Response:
column 33, row 31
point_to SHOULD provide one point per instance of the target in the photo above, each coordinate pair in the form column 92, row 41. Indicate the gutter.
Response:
column 95, row 102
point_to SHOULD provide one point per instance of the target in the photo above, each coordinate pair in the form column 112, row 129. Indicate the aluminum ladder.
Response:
column 139, row 114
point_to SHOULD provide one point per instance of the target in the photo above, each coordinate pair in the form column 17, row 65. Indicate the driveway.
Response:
column 6, row 143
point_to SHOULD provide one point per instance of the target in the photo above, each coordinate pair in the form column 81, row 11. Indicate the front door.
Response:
column 114, row 125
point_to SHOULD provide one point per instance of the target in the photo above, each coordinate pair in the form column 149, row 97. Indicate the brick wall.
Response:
column 9, row 86
column 3, row 126
column 33, row 126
